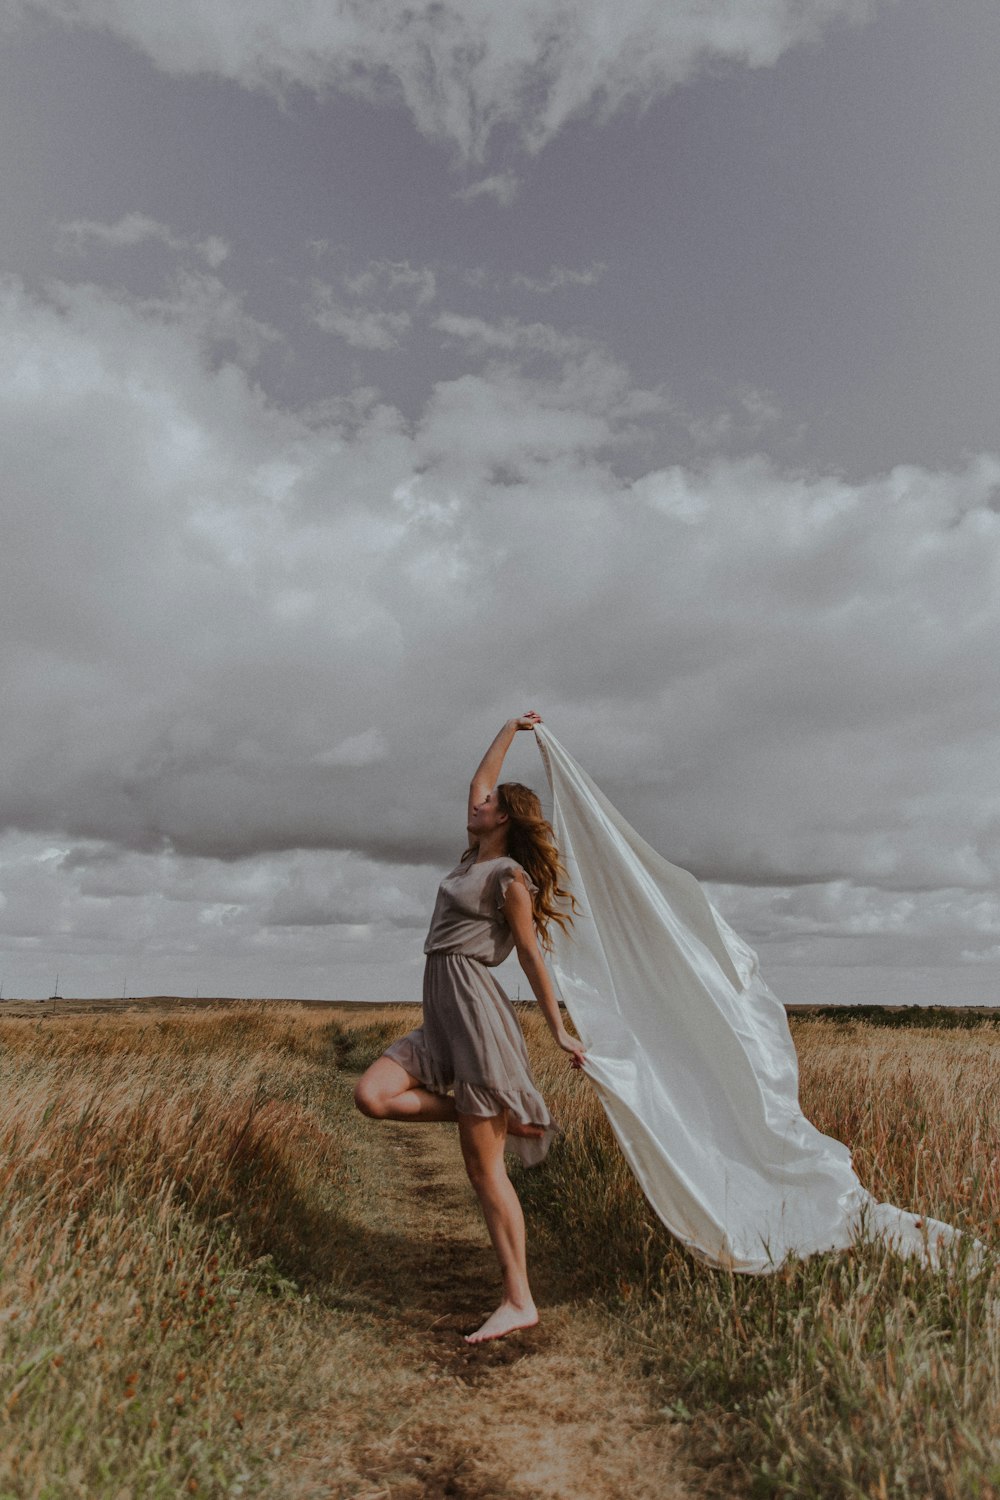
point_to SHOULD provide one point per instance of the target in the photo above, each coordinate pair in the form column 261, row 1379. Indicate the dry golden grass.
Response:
column 171, row 1186
column 919, row 1108
column 843, row 1375
column 205, row 1279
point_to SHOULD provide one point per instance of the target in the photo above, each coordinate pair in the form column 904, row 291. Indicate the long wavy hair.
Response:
column 531, row 842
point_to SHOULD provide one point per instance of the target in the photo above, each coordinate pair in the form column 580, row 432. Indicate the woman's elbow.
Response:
column 527, row 956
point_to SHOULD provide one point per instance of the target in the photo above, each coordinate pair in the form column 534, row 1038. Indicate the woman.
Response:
column 503, row 890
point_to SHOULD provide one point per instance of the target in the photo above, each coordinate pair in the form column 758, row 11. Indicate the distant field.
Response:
column 95, row 1005
column 876, row 1015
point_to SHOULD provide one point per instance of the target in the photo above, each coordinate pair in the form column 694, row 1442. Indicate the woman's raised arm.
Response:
column 488, row 773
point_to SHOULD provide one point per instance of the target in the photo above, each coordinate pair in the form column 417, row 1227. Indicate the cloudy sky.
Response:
column 374, row 372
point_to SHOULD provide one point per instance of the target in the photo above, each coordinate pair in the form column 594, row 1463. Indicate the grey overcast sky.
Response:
column 373, row 372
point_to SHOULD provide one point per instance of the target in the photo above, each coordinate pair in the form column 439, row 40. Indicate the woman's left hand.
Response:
column 528, row 720
column 572, row 1045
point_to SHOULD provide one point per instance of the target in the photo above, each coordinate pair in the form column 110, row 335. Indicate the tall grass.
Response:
column 172, row 1213
column 858, row 1374
column 187, row 1206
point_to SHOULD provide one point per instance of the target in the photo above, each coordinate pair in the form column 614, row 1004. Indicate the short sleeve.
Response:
column 510, row 872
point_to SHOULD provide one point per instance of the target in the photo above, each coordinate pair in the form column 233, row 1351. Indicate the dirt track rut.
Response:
column 550, row 1413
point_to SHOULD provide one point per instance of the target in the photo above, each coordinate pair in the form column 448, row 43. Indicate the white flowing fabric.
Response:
column 692, row 1056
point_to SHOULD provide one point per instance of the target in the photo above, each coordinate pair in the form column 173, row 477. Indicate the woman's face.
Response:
column 486, row 814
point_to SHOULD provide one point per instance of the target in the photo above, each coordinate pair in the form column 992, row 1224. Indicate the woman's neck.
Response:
column 492, row 846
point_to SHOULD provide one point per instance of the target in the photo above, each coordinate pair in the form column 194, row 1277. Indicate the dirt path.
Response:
column 546, row 1414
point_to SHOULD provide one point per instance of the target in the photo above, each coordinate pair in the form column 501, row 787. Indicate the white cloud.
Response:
column 109, row 919
column 367, row 322
column 847, row 909
column 749, row 414
column 385, row 277
column 140, row 229
column 559, row 277
column 511, row 336
column 362, row 327
column 210, row 314
column 364, row 749
column 981, row 955
column 463, row 69
column 503, row 186
column 236, row 634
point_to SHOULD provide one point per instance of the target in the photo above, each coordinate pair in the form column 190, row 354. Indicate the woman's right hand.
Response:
column 573, row 1046
column 528, row 720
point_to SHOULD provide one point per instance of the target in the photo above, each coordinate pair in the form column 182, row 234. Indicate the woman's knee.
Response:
column 369, row 1099
column 482, row 1152
column 378, row 1087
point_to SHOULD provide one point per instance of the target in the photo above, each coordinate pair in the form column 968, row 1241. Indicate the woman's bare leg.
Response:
column 482, row 1148
column 388, row 1092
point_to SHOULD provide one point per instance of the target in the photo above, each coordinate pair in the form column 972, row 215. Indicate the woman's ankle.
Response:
column 521, row 1298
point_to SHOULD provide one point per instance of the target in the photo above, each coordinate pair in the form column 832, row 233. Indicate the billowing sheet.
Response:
column 692, row 1056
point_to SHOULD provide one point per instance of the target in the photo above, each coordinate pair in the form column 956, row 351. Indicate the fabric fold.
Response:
column 522, row 1106
column 692, row 1057
column 471, row 1044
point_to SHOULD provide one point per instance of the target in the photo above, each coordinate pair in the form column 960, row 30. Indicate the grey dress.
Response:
column 471, row 1041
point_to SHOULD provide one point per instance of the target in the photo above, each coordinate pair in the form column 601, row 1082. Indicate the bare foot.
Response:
column 516, row 1127
column 506, row 1319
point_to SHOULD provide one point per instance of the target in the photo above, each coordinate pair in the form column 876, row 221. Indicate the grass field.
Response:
column 172, row 1206
column 188, row 1302
column 844, row 1375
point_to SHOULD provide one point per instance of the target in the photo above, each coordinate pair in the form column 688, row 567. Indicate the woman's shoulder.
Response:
column 496, row 862
column 507, row 869
column 506, row 864
column 497, row 867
